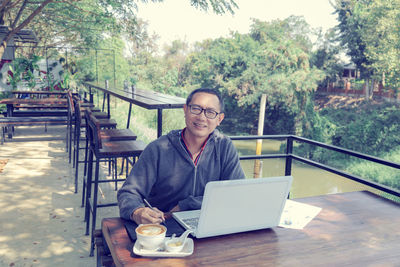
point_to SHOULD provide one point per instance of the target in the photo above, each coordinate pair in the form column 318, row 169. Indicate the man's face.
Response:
column 199, row 125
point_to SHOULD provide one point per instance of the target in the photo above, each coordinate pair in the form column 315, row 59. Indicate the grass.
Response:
column 378, row 173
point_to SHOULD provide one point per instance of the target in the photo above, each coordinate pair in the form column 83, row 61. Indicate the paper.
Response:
column 297, row 215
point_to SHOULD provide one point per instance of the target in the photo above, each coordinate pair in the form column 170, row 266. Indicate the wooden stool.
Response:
column 81, row 124
column 103, row 150
column 106, row 135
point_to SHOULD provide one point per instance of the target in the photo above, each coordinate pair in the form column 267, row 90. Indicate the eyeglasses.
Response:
column 208, row 112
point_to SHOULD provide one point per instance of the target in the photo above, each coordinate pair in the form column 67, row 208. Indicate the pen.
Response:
column 151, row 207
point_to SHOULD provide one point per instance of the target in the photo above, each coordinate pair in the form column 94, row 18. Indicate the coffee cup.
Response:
column 150, row 236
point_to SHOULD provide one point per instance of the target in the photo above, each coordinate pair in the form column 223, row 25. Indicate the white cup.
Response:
column 150, row 236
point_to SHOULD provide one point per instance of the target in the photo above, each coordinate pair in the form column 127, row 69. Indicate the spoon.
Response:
column 176, row 244
column 183, row 237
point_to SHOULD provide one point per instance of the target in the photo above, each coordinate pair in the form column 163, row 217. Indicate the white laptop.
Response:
column 233, row 206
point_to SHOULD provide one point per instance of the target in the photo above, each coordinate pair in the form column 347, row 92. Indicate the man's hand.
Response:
column 147, row 215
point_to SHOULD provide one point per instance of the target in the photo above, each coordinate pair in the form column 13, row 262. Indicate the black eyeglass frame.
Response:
column 206, row 111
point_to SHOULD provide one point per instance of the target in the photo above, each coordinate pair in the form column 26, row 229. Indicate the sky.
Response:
column 177, row 19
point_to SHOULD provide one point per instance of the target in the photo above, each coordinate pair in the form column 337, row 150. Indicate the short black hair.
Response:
column 208, row 91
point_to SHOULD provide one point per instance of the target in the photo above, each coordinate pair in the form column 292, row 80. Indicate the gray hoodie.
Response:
column 166, row 176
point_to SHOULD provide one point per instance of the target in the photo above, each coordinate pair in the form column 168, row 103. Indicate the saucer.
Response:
column 162, row 252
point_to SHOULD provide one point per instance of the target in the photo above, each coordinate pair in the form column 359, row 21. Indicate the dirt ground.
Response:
column 40, row 216
column 340, row 101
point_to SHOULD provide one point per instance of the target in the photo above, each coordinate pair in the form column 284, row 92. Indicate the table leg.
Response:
column 159, row 122
column 129, row 116
column 10, row 108
column 108, row 106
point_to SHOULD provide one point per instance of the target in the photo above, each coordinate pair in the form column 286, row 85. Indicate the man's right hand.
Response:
column 146, row 215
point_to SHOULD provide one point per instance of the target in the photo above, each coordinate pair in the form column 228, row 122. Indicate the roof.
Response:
column 24, row 35
column 350, row 65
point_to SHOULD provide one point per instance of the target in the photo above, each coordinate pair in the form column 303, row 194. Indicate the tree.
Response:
column 7, row 7
column 381, row 34
column 370, row 31
column 141, row 44
column 350, row 35
column 84, row 21
column 326, row 56
column 274, row 60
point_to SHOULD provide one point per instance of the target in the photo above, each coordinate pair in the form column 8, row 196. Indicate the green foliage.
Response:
column 326, row 57
column 3, row 107
column 23, row 70
column 143, row 121
column 85, row 22
column 317, row 128
column 113, row 53
column 350, row 35
column 384, row 175
column 372, row 131
column 168, row 83
column 218, row 6
column 381, row 34
column 273, row 59
column 370, row 31
column 294, row 28
column 86, row 66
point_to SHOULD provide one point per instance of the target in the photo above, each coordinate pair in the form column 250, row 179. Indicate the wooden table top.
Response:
column 357, row 228
column 35, row 101
column 143, row 98
column 40, row 92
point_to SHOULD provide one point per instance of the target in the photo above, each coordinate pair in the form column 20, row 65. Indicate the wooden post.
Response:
column 261, row 116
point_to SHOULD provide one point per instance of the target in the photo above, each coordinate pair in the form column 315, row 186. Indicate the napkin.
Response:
column 297, row 215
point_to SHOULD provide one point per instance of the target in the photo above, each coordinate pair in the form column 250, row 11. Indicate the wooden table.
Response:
column 144, row 98
column 357, row 228
column 42, row 102
column 40, row 94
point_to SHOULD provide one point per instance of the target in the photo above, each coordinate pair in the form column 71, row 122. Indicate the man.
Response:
column 173, row 170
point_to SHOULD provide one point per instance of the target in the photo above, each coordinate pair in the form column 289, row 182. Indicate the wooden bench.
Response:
column 29, row 121
column 24, row 106
column 104, row 257
column 38, row 113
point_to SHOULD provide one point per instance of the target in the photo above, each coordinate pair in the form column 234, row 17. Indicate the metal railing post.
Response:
column 90, row 95
column 289, row 151
column 104, row 95
column 97, row 74
column 133, row 90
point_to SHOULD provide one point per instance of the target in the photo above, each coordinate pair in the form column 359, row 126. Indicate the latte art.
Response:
column 150, row 229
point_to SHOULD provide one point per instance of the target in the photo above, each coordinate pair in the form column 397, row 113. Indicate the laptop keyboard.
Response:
column 191, row 222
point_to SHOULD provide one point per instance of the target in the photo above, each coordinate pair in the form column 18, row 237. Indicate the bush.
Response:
column 366, row 129
column 377, row 173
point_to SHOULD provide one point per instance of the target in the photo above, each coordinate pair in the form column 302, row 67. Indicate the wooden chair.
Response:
column 106, row 135
column 86, row 104
column 79, row 125
column 90, row 106
column 70, row 124
column 72, row 100
column 99, row 150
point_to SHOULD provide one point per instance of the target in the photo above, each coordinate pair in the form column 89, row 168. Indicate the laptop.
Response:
column 233, row 206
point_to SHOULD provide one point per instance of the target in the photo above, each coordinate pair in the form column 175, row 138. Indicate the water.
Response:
column 307, row 180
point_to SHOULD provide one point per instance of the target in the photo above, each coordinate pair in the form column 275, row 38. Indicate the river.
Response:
column 307, row 180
